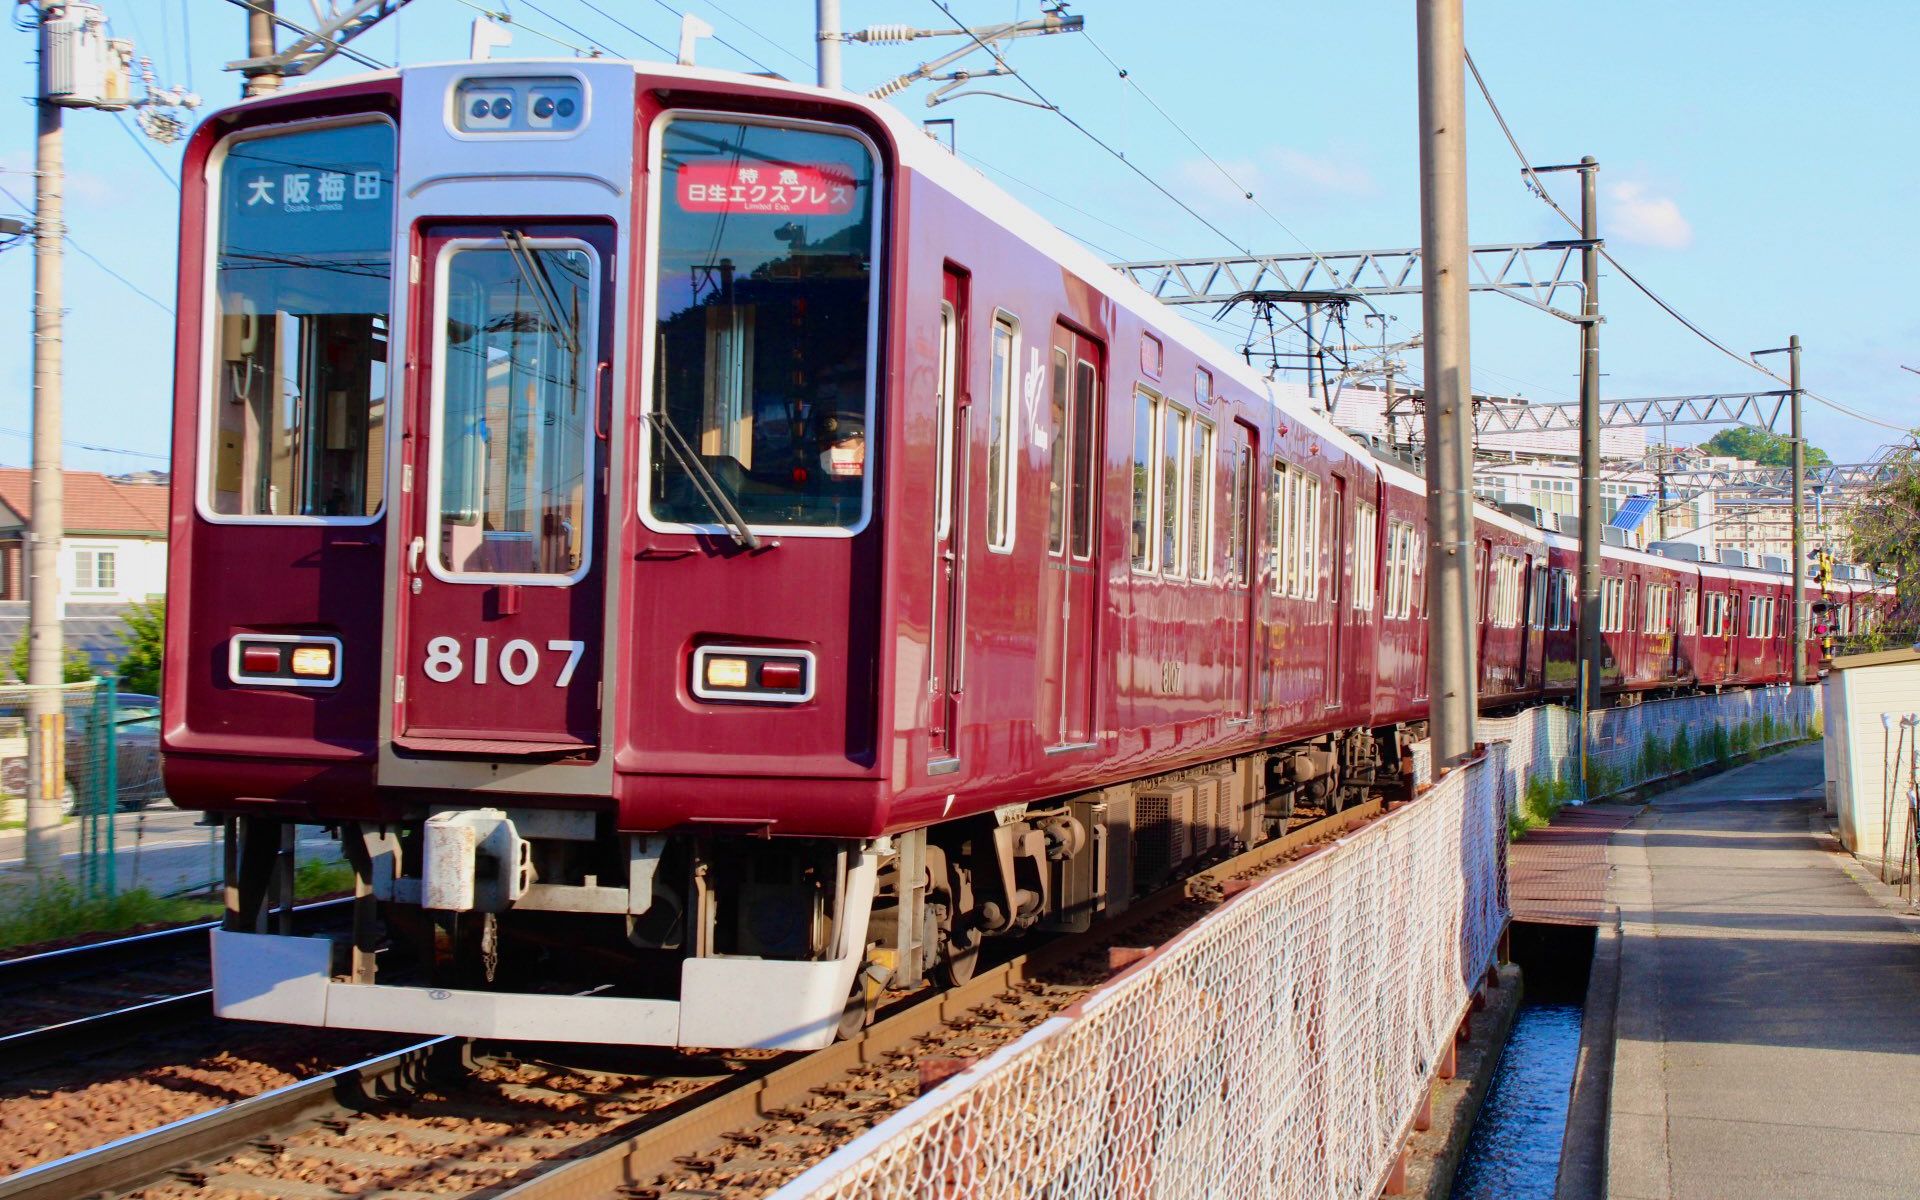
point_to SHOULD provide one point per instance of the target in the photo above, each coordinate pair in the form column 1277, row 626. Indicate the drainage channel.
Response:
column 1514, row 1150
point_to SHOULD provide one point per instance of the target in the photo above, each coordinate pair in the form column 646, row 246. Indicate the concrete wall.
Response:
column 1866, row 704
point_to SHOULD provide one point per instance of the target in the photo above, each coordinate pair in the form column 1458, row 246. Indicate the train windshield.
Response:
column 302, row 264
column 763, row 355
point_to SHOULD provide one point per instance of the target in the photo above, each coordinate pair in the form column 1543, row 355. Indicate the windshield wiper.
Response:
column 534, row 272
column 704, row 483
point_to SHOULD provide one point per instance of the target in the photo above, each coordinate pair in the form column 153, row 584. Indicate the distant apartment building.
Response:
column 113, row 549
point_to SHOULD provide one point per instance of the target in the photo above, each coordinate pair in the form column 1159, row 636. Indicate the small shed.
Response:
column 1872, row 748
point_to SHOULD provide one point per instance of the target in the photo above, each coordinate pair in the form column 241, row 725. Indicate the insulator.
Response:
column 878, row 34
column 889, row 88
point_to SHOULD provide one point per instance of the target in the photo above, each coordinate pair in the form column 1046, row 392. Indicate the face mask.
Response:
column 845, row 460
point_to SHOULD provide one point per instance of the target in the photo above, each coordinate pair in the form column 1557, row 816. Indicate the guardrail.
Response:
column 1279, row 1048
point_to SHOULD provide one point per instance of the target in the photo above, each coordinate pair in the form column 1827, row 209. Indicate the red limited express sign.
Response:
column 770, row 188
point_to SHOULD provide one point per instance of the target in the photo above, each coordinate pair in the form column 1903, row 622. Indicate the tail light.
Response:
column 284, row 660
column 753, row 673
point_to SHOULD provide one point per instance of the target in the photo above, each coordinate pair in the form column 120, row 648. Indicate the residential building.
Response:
column 114, row 548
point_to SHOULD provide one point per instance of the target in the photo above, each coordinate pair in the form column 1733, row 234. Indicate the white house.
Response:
column 115, row 547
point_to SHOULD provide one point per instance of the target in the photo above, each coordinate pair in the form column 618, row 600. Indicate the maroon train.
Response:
column 702, row 545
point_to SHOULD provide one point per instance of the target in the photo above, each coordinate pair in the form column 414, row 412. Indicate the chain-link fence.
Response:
column 1279, row 1048
column 1644, row 743
column 81, row 723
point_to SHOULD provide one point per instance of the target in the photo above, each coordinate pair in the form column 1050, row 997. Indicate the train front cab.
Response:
column 533, row 547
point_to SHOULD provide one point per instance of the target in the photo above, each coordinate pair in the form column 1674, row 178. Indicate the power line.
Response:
column 508, row 19
column 141, row 142
column 575, row 30
column 755, row 32
column 1537, row 188
column 716, row 37
column 22, row 433
column 67, row 237
column 1038, row 190
column 1127, row 77
column 622, row 24
column 1084, row 131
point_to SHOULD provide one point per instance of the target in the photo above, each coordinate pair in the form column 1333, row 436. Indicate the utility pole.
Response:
column 260, row 22
column 827, row 42
column 1799, row 450
column 46, row 651
column 1593, row 646
column 1451, row 703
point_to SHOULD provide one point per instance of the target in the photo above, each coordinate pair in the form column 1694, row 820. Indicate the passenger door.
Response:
column 1071, row 592
column 501, row 598
column 1337, row 593
column 946, row 638
column 1243, row 568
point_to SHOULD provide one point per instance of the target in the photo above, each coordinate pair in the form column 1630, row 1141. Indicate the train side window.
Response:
column 1086, row 456
column 1002, row 439
column 1172, row 490
column 1366, row 563
column 1307, row 574
column 1144, row 410
column 1240, row 514
column 1200, row 503
column 943, row 424
column 1058, row 452
column 1280, row 524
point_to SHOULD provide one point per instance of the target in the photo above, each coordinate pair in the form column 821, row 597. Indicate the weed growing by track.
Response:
column 56, row 909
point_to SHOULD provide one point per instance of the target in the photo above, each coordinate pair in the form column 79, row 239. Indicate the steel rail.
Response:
column 599, row 1175
column 29, row 1048
column 32, row 969
column 647, row 1141
column 143, row 1157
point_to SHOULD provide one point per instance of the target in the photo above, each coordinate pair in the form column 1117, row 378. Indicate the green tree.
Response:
column 1757, row 445
column 139, row 667
column 1884, row 531
column 77, row 669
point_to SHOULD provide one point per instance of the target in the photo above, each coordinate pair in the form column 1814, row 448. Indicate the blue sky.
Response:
column 1753, row 169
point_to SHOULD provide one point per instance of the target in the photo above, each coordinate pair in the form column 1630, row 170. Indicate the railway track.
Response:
column 85, row 997
column 449, row 1117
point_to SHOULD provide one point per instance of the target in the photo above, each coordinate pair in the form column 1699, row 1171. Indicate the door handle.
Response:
column 602, row 403
column 415, row 549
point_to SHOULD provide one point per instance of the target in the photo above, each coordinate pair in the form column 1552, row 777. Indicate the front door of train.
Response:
column 502, row 591
column 1070, row 592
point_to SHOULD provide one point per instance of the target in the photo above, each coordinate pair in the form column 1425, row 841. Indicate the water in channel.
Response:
column 1514, row 1150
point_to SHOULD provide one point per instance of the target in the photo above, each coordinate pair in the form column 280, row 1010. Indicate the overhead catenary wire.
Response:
column 23, row 433
column 748, row 26
column 1539, row 189
column 716, row 37
column 592, row 7
column 1126, row 76
column 1088, row 133
column 508, row 18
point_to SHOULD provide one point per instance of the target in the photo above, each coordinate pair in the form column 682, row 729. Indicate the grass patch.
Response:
column 1543, row 801
column 53, row 911
column 315, row 878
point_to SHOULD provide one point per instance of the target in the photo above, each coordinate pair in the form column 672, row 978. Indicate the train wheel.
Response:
column 858, row 1013
column 962, row 957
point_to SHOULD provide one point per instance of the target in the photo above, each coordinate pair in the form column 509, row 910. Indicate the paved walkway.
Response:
column 1769, row 1018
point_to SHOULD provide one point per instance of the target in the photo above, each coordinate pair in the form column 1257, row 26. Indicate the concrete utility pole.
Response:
column 1593, row 645
column 260, row 23
column 1799, row 518
column 46, row 652
column 1792, row 351
column 1451, row 703
column 827, row 41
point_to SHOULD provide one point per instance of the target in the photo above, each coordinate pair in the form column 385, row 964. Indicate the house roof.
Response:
column 94, row 503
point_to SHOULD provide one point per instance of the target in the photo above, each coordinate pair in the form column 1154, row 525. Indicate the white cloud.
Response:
column 1634, row 214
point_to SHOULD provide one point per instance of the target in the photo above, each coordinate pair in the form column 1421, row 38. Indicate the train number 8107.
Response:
column 518, row 661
